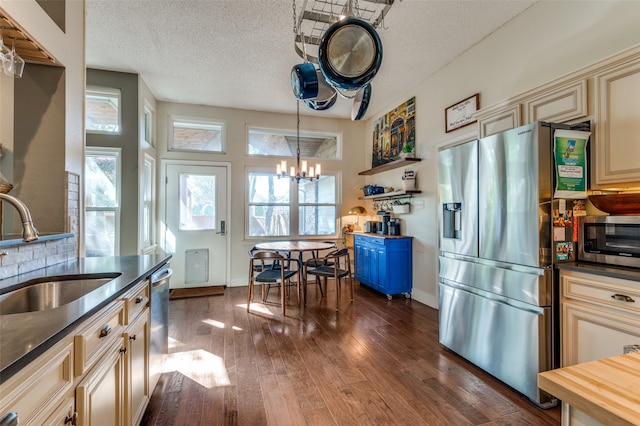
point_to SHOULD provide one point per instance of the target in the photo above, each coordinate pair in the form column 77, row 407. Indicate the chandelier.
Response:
column 299, row 171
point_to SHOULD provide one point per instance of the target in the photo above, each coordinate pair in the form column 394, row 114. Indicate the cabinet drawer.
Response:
column 62, row 415
column 605, row 291
column 369, row 241
column 135, row 301
column 38, row 388
column 93, row 339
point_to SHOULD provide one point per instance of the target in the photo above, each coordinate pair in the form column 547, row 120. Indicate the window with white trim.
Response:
column 196, row 134
column 149, row 202
column 279, row 207
column 102, row 110
column 102, row 201
column 148, row 124
column 284, row 143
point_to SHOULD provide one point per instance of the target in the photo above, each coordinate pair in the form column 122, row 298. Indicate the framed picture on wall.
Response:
column 394, row 133
column 460, row 114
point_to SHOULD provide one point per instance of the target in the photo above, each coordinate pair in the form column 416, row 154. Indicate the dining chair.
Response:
column 274, row 268
column 336, row 265
column 316, row 260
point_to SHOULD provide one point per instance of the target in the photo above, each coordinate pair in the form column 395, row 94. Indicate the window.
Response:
column 186, row 134
column 102, row 201
column 278, row 207
column 149, row 205
column 197, row 202
column 317, row 206
column 102, row 110
column 147, row 125
column 284, row 143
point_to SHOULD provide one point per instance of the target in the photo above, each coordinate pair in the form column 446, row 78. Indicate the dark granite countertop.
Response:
column 622, row 272
column 25, row 336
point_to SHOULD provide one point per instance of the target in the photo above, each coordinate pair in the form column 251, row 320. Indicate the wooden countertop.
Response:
column 386, row 236
column 607, row 389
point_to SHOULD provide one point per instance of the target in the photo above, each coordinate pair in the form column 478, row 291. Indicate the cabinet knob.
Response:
column 104, row 331
column 9, row 419
column 132, row 337
column 139, row 299
column 71, row 418
column 622, row 298
column 123, row 350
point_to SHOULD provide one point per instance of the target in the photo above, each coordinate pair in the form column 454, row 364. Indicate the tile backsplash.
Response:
column 47, row 251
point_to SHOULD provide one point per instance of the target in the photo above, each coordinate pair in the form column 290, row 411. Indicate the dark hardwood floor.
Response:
column 375, row 362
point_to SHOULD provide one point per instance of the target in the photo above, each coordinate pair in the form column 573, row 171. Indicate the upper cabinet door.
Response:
column 617, row 141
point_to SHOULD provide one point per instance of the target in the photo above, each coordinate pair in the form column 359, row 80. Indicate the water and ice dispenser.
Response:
column 451, row 220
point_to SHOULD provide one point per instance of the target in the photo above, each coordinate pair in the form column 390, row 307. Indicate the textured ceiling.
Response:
column 239, row 53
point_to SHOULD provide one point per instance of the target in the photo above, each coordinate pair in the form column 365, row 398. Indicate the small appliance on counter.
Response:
column 611, row 240
column 384, row 228
column 394, row 226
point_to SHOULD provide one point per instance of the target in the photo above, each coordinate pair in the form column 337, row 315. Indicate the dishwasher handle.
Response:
column 161, row 277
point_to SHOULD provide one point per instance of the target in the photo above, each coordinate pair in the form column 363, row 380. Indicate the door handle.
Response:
column 223, row 228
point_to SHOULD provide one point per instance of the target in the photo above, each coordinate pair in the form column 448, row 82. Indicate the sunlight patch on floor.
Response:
column 214, row 323
column 201, row 366
column 257, row 307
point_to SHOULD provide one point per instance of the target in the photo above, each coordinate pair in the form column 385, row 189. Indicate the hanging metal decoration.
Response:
column 349, row 52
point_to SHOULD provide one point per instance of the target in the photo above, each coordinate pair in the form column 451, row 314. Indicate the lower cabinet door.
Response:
column 137, row 392
column 99, row 396
column 589, row 333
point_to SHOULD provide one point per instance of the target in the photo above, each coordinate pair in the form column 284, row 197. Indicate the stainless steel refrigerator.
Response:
column 497, row 300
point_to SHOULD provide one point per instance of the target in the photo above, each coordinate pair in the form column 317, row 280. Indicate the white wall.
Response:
column 236, row 122
column 548, row 40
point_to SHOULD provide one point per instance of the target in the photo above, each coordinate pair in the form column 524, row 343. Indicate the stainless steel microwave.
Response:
column 612, row 240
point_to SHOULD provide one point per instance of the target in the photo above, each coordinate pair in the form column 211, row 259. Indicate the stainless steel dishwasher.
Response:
column 159, row 347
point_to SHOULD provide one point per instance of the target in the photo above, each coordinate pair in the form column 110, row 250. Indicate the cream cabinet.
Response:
column 96, row 375
column 559, row 105
column 617, row 127
column 136, row 374
column 100, row 394
column 498, row 119
column 600, row 316
column 116, row 389
column 42, row 392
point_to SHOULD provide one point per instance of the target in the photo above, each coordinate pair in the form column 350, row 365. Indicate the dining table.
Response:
column 299, row 246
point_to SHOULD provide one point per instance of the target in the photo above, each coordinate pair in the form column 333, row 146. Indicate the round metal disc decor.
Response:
column 350, row 54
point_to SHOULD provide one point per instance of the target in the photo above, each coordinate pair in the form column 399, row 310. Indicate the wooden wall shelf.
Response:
column 402, row 162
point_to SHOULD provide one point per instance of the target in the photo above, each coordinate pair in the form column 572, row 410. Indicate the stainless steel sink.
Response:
column 51, row 292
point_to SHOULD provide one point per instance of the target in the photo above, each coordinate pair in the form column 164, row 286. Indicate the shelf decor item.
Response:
column 393, row 132
column 409, row 180
column 400, row 208
column 460, row 114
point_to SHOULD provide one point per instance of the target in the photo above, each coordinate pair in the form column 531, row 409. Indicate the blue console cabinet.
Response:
column 384, row 263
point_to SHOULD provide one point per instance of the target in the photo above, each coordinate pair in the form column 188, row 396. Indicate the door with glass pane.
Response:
column 196, row 218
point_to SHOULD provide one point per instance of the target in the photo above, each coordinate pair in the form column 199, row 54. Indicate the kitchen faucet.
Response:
column 29, row 232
